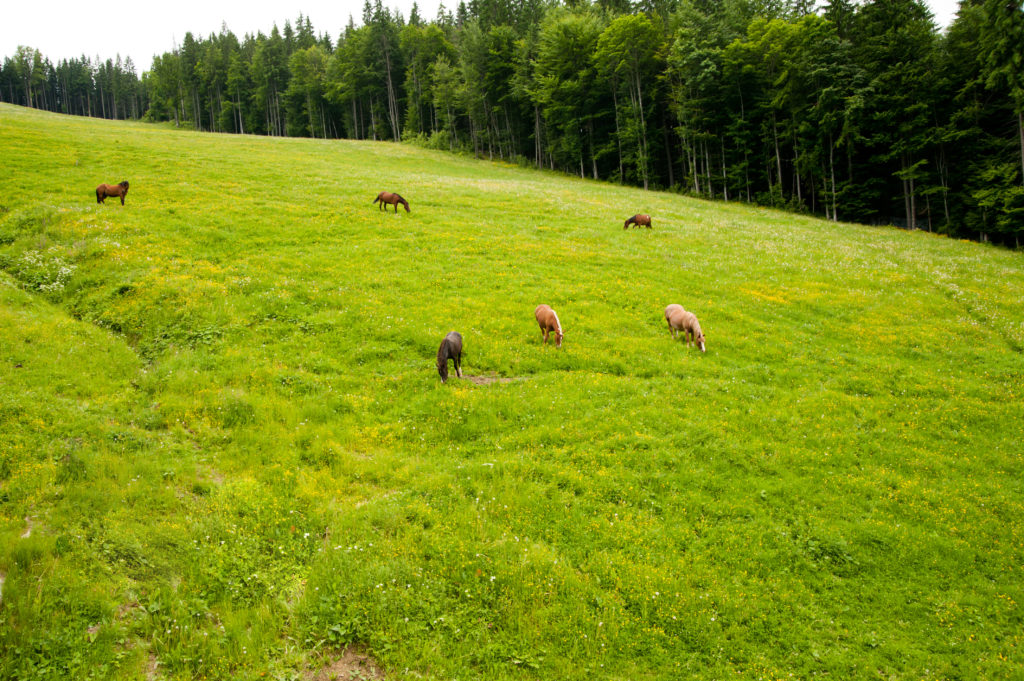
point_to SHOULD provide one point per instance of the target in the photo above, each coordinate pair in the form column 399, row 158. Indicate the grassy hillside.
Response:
column 223, row 434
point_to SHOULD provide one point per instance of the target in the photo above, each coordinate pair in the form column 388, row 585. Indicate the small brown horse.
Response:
column 640, row 220
column 680, row 320
column 105, row 190
column 387, row 198
column 548, row 321
column 451, row 348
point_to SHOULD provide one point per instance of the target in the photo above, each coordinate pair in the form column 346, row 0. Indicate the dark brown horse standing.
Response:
column 387, row 198
column 451, row 349
column 640, row 220
column 105, row 190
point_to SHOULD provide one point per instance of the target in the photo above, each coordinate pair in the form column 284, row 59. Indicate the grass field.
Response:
column 225, row 451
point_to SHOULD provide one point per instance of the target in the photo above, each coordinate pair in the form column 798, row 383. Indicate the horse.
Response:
column 392, row 199
column 105, row 190
column 548, row 321
column 640, row 220
column 451, row 348
column 681, row 320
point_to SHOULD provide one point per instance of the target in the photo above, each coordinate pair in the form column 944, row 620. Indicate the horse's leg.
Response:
column 122, row 199
column 458, row 365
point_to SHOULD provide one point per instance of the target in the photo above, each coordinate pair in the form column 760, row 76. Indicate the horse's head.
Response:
column 625, row 224
column 124, row 185
column 558, row 337
column 406, row 204
column 700, row 341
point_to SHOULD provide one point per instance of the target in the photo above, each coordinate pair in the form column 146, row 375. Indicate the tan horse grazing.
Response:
column 681, row 320
column 105, row 190
column 548, row 321
column 451, row 348
column 387, row 198
column 640, row 220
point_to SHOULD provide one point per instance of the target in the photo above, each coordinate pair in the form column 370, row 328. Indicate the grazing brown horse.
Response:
column 391, row 199
column 548, row 321
column 105, row 190
column 451, row 348
column 640, row 220
column 681, row 320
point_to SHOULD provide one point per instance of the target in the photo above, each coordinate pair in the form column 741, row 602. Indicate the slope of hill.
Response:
column 226, row 452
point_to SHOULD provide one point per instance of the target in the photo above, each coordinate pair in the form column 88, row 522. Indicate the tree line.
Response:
column 858, row 112
column 82, row 87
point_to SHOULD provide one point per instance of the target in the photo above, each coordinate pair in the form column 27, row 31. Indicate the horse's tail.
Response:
column 99, row 196
column 442, row 360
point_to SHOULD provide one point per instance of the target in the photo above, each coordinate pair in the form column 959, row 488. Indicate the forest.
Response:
column 856, row 112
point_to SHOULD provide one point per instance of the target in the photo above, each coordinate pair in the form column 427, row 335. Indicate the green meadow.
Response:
column 225, row 452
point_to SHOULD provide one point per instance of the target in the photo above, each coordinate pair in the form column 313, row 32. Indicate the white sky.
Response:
column 62, row 29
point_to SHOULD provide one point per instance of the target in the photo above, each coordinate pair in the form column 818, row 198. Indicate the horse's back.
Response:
column 543, row 314
column 454, row 342
column 680, row 318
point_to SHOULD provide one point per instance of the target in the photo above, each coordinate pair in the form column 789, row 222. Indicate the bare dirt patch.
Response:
column 492, row 378
column 351, row 664
column 152, row 668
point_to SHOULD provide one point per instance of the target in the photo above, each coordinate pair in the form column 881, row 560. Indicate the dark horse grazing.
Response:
column 105, row 190
column 640, row 220
column 391, row 199
column 451, row 348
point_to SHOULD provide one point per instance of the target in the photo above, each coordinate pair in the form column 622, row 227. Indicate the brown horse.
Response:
column 391, row 199
column 105, row 190
column 640, row 220
column 681, row 320
column 451, row 348
column 548, row 321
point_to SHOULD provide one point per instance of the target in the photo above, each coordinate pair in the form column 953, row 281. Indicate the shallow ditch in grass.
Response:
column 351, row 663
column 492, row 378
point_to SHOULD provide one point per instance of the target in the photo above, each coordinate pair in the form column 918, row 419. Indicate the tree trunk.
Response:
column 725, row 180
column 668, row 150
column 538, row 153
column 392, row 99
column 707, row 169
column 618, row 133
column 639, row 108
column 590, row 135
column 1020, row 131
column 241, row 125
column 832, row 171
column 778, row 155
